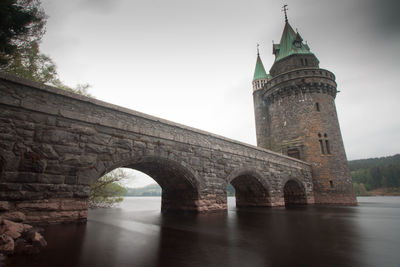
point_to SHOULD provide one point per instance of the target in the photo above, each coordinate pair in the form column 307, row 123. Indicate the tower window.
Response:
column 302, row 61
column 331, row 183
column 324, row 144
column 317, row 106
column 321, row 144
column 305, row 62
column 327, row 147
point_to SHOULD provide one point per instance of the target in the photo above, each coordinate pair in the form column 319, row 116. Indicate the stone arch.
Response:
column 180, row 185
column 294, row 193
column 251, row 189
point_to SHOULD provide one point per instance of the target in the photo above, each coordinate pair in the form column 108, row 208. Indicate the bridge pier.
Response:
column 200, row 204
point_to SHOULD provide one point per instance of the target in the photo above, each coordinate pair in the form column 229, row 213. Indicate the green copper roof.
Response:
column 291, row 43
column 259, row 72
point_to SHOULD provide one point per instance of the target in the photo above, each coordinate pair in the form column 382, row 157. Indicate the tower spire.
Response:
column 258, row 51
column 284, row 9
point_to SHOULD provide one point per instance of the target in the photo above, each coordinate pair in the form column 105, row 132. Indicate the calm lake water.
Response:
column 137, row 234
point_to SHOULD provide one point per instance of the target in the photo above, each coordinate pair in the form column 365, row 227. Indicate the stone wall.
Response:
column 54, row 144
column 295, row 111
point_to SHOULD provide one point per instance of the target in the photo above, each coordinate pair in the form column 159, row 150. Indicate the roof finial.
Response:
column 258, row 52
column 284, row 9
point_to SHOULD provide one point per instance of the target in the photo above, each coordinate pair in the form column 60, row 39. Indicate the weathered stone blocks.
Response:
column 76, row 140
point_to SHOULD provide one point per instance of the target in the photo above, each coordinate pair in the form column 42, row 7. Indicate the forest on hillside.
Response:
column 374, row 173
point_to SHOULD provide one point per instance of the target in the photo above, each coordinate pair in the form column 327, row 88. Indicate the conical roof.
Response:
column 259, row 72
column 291, row 43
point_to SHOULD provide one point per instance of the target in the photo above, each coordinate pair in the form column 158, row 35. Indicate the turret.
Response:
column 260, row 76
column 296, row 115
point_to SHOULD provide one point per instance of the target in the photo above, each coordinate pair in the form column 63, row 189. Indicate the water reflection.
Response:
column 137, row 234
column 306, row 236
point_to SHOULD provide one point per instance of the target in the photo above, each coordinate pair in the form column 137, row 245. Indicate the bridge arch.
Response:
column 251, row 189
column 294, row 192
column 180, row 185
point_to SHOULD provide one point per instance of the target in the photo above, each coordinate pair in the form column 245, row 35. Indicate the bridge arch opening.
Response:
column 250, row 192
column 179, row 185
column 294, row 193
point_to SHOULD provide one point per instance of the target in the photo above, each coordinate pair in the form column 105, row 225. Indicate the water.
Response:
column 137, row 234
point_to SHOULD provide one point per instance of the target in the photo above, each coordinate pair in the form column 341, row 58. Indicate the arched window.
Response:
column 317, row 106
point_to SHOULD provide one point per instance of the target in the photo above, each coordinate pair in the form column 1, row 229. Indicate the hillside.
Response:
column 376, row 176
column 149, row 190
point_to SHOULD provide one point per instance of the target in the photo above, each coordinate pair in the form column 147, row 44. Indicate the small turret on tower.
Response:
column 260, row 75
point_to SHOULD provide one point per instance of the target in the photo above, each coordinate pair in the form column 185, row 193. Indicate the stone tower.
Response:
column 295, row 115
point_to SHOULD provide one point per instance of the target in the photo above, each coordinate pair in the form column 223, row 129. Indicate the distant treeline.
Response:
column 154, row 190
column 374, row 173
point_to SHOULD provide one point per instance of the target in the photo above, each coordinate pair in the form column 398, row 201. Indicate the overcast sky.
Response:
column 192, row 61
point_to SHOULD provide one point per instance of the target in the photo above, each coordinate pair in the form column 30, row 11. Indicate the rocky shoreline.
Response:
column 16, row 237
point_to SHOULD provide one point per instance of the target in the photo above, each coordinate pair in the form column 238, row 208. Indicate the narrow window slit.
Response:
column 327, row 147
column 322, row 147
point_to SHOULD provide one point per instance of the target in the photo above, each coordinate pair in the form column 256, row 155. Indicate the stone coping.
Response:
column 58, row 91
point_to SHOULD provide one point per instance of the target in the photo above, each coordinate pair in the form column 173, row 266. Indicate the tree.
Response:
column 22, row 25
column 356, row 188
column 32, row 65
column 363, row 190
column 108, row 190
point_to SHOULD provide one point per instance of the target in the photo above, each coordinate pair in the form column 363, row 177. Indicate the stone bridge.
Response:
column 54, row 144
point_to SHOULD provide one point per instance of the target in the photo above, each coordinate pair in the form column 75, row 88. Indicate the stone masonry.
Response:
column 296, row 115
column 54, row 144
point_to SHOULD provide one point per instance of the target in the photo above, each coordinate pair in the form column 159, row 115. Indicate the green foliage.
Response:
column 360, row 189
column 108, row 190
column 32, row 65
column 375, row 173
column 22, row 24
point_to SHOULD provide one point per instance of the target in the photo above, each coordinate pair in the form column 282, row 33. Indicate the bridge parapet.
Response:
column 54, row 144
